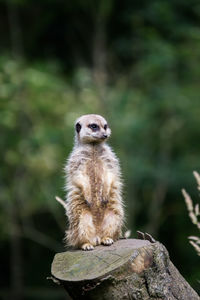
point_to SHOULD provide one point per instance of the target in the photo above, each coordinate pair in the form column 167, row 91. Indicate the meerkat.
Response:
column 94, row 187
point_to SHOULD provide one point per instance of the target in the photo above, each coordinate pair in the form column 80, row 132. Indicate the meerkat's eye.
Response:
column 78, row 127
column 105, row 126
column 94, row 127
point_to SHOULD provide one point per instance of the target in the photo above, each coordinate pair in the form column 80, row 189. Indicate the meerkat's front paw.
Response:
column 107, row 241
column 87, row 247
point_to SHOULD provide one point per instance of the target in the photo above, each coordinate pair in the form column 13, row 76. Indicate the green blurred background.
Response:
column 135, row 62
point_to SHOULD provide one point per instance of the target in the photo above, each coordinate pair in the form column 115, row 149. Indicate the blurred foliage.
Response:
column 137, row 64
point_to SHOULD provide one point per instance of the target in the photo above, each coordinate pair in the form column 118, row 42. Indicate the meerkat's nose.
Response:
column 105, row 136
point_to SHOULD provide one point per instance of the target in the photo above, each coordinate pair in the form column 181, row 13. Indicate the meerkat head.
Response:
column 92, row 129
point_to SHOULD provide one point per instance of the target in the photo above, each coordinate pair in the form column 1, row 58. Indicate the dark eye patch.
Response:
column 94, row 127
column 78, row 127
column 105, row 126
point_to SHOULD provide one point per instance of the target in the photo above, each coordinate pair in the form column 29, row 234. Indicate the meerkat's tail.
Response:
column 127, row 234
column 62, row 202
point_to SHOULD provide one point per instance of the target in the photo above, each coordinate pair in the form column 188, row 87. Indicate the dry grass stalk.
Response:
column 194, row 213
column 188, row 200
column 197, row 212
column 196, row 247
column 197, row 176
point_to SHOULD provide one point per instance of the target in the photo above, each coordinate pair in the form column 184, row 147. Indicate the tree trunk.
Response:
column 129, row 269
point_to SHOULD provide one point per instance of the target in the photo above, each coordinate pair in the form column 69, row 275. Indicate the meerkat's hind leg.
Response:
column 87, row 232
column 110, row 228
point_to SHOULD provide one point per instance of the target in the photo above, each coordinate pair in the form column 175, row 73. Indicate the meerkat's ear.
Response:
column 78, row 127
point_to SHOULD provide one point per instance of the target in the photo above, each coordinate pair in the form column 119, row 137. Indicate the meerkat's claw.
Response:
column 107, row 241
column 87, row 247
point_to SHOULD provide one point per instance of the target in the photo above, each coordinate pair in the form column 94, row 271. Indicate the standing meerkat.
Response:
column 94, row 203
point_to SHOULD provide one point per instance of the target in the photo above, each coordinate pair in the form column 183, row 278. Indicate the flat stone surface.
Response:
column 78, row 265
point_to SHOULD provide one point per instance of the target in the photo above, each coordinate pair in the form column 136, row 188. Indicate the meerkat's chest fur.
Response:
column 96, row 163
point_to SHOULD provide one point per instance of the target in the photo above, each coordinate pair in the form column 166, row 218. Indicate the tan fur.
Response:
column 94, row 203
